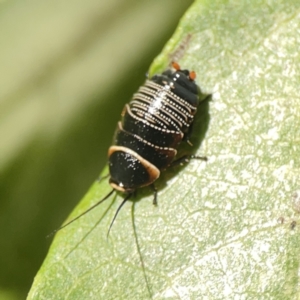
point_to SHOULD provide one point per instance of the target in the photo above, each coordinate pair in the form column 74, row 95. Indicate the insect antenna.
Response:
column 118, row 210
column 82, row 214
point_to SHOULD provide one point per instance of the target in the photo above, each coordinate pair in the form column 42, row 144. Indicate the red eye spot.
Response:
column 192, row 75
column 176, row 66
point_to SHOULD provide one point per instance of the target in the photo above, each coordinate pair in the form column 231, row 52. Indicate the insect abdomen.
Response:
column 153, row 125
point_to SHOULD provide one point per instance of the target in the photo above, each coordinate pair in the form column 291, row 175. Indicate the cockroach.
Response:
column 154, row 123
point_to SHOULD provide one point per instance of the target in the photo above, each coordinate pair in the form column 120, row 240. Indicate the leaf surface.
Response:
column 222, row 229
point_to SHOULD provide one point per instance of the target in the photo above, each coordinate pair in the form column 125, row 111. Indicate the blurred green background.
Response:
column 67, row 68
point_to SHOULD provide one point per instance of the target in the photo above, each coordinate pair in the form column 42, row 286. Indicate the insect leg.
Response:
column 185, row 159
column 187, row 136
column 102, row 177
column 153, row 188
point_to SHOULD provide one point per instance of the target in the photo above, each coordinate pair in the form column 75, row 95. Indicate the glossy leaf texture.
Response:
column 222, row 229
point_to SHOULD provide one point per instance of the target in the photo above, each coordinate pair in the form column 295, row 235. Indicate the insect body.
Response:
column 153, row 124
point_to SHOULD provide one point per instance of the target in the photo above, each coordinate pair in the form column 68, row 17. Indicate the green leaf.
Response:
column 66, row 69
column 222, row 229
